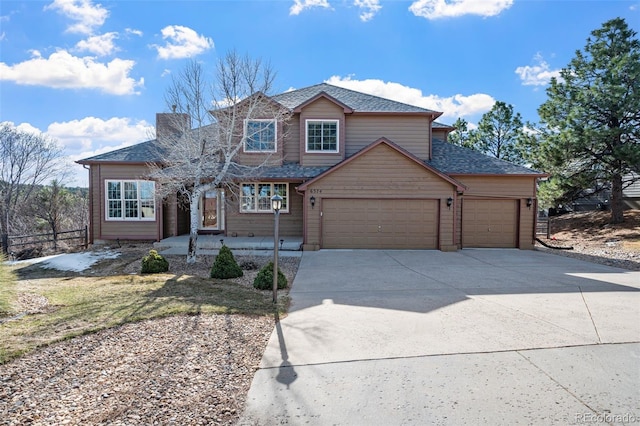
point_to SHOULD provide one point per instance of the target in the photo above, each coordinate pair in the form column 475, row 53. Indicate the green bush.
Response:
column 225, row 265
column 264, row 279
column 154, row 263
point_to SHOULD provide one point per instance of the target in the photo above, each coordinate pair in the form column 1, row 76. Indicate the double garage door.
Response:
column 413, row 224
column 380, row 224
column 489, row 223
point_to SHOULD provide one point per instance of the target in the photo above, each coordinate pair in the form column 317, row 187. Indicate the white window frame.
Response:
column 139, row 201
column 246, row 135
column 321, row 151
column 254, row 199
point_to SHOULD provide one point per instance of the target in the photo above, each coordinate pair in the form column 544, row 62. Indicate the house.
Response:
column 355, row 171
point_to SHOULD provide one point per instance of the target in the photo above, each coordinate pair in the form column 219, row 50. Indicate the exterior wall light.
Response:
column 529, row 202
column 449, row 202
column 276, row 205
column 312, row 200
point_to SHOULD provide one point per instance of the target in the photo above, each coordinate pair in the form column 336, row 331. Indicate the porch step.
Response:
column 214, row 242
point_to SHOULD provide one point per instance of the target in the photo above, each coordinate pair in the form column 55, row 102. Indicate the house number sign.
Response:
column 316, row 191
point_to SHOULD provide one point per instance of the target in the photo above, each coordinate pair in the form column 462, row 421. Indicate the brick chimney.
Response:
column 172, row 124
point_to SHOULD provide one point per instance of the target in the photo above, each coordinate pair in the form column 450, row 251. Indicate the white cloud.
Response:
column 369, row 8
column 65, row 71
column 300, row 5
column 182, row 42
column 3, row 36
column 452, row 107
column 434, row 9
column 89, row 135
column 101, row 45
column 87, row 15
column 537, row 75
column 134, row 32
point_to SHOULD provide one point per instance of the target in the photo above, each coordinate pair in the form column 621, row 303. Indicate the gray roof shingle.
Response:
column 144, row 152
column 454, row 159
column 359, row 102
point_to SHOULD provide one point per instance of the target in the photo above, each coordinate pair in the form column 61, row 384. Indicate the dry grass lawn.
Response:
column 44, row 306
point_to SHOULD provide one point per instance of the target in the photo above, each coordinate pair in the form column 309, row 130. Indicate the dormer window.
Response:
column 260, row 136
column 322, row 135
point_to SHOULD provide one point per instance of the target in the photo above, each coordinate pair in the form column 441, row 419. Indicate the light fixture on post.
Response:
column 312, row 200
column 276, row 205
column 529, row 202
column 449, row 202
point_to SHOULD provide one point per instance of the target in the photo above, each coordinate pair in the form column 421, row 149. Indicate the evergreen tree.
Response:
column 592, row 116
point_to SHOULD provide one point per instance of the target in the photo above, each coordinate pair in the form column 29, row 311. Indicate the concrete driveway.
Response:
column 471, row 337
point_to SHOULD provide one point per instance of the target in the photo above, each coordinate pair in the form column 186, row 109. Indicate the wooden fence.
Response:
column 11, row 244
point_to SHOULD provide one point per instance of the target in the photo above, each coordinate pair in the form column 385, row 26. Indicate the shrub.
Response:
column 264, row 279
column 225, row 265
column 154, row 263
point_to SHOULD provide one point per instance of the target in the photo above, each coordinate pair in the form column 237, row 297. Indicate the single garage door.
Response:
column 379, row 224
column 489, row 223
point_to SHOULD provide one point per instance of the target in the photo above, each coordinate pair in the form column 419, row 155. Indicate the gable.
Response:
column 384, row 165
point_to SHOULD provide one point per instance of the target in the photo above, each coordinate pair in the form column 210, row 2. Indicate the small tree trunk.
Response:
column 193, row 231
column 617, row 204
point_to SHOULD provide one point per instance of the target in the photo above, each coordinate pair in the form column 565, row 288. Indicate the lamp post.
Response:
column 276, row 205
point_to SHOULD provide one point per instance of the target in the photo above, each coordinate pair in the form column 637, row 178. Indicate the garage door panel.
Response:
column 379, row 223
column 489, row 223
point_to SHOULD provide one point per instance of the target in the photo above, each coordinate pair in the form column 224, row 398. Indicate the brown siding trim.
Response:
column 529, row 175
column 433, row 115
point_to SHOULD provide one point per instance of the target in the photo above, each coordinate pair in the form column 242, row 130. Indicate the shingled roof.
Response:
column 144, row 152
column 357, row 101
column 453, row 160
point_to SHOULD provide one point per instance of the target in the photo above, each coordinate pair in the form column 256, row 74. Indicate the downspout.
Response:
column 304, row 216
column 88, row 169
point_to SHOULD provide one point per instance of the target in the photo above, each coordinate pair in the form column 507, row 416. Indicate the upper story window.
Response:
column 130, row 200
column 256, row 197
column 260, row 136
column 322, row 136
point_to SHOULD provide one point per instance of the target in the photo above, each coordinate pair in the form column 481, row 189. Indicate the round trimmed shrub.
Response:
column 264, row 279
column 154, row 263
column 225, row 265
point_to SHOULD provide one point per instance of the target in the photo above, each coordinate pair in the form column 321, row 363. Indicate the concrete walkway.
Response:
column 471, row 337
column 209, row 244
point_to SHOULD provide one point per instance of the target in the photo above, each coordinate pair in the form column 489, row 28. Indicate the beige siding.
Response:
column 291, row 140
column 440, row 134
column 123, row 229
column 411, row 133
column 401, row 178
column 517, row 188
column 261, row 224
column 267, row 158
column 322, row 109
column 498, row 186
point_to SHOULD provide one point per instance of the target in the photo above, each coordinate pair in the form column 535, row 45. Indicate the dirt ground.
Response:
column 591, row 237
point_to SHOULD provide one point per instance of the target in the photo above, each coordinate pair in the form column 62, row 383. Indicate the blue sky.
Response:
column 92, row 74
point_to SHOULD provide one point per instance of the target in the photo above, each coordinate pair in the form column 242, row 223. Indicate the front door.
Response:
column 211, row 208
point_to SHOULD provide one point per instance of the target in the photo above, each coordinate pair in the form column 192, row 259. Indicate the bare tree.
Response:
column 51, row 205
column 199, row 147
column 26, row 161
